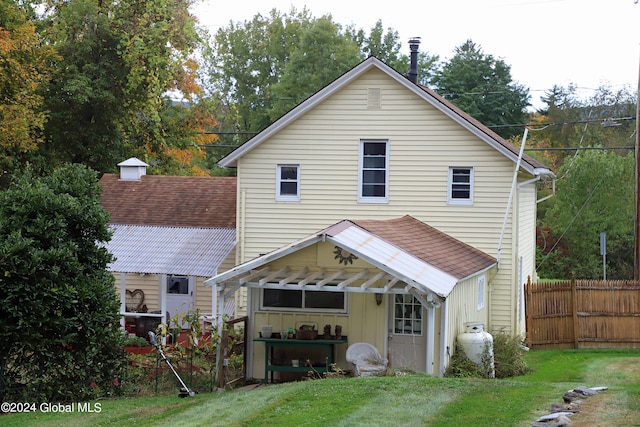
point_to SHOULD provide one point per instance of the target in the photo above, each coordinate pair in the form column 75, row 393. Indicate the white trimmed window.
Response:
column 481, row 286
column 460, row 186
column 288, row 183
column 373, row 173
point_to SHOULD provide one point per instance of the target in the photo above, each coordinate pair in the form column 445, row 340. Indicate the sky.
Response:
column 587, row 43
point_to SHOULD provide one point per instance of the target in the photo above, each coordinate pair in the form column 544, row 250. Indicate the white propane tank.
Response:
column 474, row 340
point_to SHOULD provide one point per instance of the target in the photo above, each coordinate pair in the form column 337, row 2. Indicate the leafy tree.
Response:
column 595, row 194
column 59, row 328
column 119, row 60
column 386, row 47
column 481, row 85
column 260, row 69
column 24, row 66
column 321, row 56
column 246, row 59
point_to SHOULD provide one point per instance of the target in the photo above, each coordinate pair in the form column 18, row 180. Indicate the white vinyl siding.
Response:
column 288, row 183
column 373, row 172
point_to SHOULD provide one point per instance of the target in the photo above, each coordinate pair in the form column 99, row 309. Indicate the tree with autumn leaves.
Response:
column 87, row 81
column 25, row 65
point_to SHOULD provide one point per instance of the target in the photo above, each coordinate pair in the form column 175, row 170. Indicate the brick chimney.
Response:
column 132, row 169
column 414, row 43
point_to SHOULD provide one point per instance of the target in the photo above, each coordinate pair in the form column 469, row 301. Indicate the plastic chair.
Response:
column 366, row 360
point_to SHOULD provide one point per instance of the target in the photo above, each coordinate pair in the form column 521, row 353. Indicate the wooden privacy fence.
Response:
column 583, row 313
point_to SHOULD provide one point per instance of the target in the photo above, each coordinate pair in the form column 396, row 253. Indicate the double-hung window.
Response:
column 373, row 186
column 460, row 186
column 288, row 183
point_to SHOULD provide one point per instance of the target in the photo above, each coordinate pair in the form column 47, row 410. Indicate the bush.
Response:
column 461, row 366
column 509, row 355
column 59, row 329
column 508, row 359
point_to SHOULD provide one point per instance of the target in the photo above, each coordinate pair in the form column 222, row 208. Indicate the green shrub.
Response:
column 461, row 366
column 60, row 324
column 508, row 353
column 508, row 359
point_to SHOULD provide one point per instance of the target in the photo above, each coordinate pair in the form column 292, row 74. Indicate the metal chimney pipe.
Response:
column 414, row 43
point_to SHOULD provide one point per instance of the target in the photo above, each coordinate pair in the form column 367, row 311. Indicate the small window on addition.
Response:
column 288, row 183
column 460, row 186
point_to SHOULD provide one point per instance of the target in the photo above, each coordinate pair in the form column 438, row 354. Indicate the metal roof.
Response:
column 189, row 251
column 411, row 270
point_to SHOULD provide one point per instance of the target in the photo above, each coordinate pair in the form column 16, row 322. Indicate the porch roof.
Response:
column 189, row 251
column 409, row 254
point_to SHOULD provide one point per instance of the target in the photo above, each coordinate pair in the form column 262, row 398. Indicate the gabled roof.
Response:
column 186, row 201
column 185, row 251
column 528, row 163
column 410, row 252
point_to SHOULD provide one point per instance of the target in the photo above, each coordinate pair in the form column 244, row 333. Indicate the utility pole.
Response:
column 636, row 223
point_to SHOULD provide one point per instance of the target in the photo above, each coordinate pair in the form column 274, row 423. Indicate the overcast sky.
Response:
column 546, row 42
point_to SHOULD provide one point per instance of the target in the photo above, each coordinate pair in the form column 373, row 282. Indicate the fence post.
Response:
column 527, row 310
column 574, row 309
column 222, row 367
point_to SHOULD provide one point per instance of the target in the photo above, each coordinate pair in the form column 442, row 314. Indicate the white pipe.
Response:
column 513, row 187
column 522, row 184
column 431, row 339
column 444, row 325
column 123, row 298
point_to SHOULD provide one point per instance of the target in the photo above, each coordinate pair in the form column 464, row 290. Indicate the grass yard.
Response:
column 415, row 400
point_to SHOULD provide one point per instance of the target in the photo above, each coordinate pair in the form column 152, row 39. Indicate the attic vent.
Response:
column 373, row 98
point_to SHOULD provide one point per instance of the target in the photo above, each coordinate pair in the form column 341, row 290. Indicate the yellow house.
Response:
column 373, row 161
column 169, row 234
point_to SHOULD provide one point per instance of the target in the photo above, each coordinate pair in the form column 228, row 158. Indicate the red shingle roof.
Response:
column 183, row 201
column 430, row 245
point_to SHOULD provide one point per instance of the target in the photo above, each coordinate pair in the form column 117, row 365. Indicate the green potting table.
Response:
column 271, row 343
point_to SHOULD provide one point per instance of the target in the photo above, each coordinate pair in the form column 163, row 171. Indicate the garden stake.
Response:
column 184, row 391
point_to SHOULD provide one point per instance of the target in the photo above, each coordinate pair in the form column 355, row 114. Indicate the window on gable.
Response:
column 288, row 183
column 460, row 186
column 374, row 172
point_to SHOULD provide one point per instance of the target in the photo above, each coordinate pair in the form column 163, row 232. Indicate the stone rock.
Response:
column 560, row 413
column 562, row 420
column 559, row 407
column 585, row 391
column 574, row 406
column 571, row 396
column 554, row 417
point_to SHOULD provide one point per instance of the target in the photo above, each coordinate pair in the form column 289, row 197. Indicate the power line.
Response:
column 630, row 147
column 575, row 122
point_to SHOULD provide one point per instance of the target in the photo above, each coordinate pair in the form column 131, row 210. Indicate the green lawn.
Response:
column 388, row 401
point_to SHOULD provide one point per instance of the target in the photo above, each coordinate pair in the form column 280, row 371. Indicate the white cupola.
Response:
column 132, row 169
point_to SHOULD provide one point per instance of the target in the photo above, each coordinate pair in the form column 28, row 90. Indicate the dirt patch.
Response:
column 592, row 411
column 610, row 407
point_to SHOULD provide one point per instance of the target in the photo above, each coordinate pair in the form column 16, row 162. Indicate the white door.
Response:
column 407, row 333
column 179, row 296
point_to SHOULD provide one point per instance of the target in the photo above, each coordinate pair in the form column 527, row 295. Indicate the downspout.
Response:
column 513, row 188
